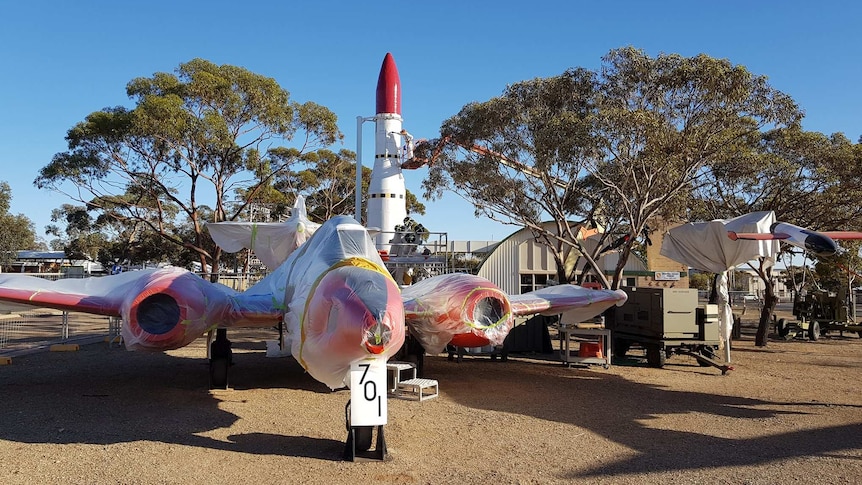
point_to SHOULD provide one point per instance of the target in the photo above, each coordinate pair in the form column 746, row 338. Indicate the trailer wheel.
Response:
column 813, row 331
column 656, row 356
column 621, row 346
column 782, row 327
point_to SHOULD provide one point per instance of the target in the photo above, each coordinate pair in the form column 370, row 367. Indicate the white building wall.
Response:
column 520, row 254
column 501, row 266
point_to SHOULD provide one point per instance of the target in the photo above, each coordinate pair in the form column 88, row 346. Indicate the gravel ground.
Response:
column 791, row 412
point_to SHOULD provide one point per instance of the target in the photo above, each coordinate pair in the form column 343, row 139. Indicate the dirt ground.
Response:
column 790, row 412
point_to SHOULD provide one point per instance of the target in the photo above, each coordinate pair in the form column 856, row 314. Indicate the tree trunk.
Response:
column 769, row 301
column 215, row 265
column 621, row 264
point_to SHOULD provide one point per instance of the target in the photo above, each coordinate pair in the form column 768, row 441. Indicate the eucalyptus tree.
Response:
column 806, row 178
column 192, row 138
column 327, row 182
column 623, row 146
column 520, row 159
column 17, row 231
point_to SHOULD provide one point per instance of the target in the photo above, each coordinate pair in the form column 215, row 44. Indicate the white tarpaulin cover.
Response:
column 706, row 246
column 272, row 242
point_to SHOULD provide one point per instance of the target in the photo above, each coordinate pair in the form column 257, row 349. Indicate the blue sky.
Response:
column 64, row 60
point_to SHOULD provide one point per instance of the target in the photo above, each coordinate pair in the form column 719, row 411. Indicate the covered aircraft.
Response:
column 272, row 242
column 816, row 242
column 333, row 294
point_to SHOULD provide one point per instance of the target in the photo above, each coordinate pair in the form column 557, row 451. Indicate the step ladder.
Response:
column 420, row 389
column 412, row 387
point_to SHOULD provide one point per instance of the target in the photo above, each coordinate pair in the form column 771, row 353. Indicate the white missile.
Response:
column 387, row 204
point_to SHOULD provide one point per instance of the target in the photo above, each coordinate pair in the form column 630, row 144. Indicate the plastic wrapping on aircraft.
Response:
column 440, row 308
column 336, row 291
column 161, row 308
column 272, row 242
column 579, row 304
column 338, row 302
column 470, row 311
column 168, row 309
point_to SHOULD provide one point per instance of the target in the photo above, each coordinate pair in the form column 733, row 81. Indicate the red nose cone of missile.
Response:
column 388, row 87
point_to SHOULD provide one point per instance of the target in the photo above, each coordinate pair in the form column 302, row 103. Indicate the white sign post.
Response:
column 368, row 392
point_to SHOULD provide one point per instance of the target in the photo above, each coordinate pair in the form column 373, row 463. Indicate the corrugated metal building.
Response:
column 519, row 264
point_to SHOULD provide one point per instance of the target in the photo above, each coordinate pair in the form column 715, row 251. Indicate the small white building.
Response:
column 519, row 264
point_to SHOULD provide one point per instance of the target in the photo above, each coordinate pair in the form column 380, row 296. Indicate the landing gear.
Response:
column 359, row 440
column 413, row 352
column 709, row 354
column 362, row 436
column 221, row 358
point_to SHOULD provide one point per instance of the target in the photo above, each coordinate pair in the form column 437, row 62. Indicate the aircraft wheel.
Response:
column 813, row 331
column 656, row 356
column 218, row 372
column 363, row 436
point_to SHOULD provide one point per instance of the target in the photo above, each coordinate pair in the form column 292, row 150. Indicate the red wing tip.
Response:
column 843, row 234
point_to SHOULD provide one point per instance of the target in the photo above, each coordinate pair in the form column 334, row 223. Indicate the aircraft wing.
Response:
column 162, row 309
column 333, row 294
column 819, row 243
column 579, row 302
column 843, row 234
column 765, row 236
column 469, row 311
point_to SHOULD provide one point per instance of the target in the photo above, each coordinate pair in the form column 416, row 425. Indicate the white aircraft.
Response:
column 333, row 294
column 818, row 243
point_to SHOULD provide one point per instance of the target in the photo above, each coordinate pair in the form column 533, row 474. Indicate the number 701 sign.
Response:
column 368, row 392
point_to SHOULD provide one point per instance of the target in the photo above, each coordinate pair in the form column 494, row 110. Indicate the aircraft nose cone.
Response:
column 376, row 337
column 820, row 245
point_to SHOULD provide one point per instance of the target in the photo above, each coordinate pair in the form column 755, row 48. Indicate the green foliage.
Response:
column 806, row 178
column 328, row 182
column 17, row 231
column 840, row 270
column 192, row 136
column 701, row 281
column 620, row 146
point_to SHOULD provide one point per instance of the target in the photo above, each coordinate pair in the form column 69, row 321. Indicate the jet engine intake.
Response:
column 168, row 311
column 461, row 309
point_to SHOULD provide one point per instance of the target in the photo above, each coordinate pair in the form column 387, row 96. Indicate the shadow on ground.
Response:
column 620, row 410
column 106, row 396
